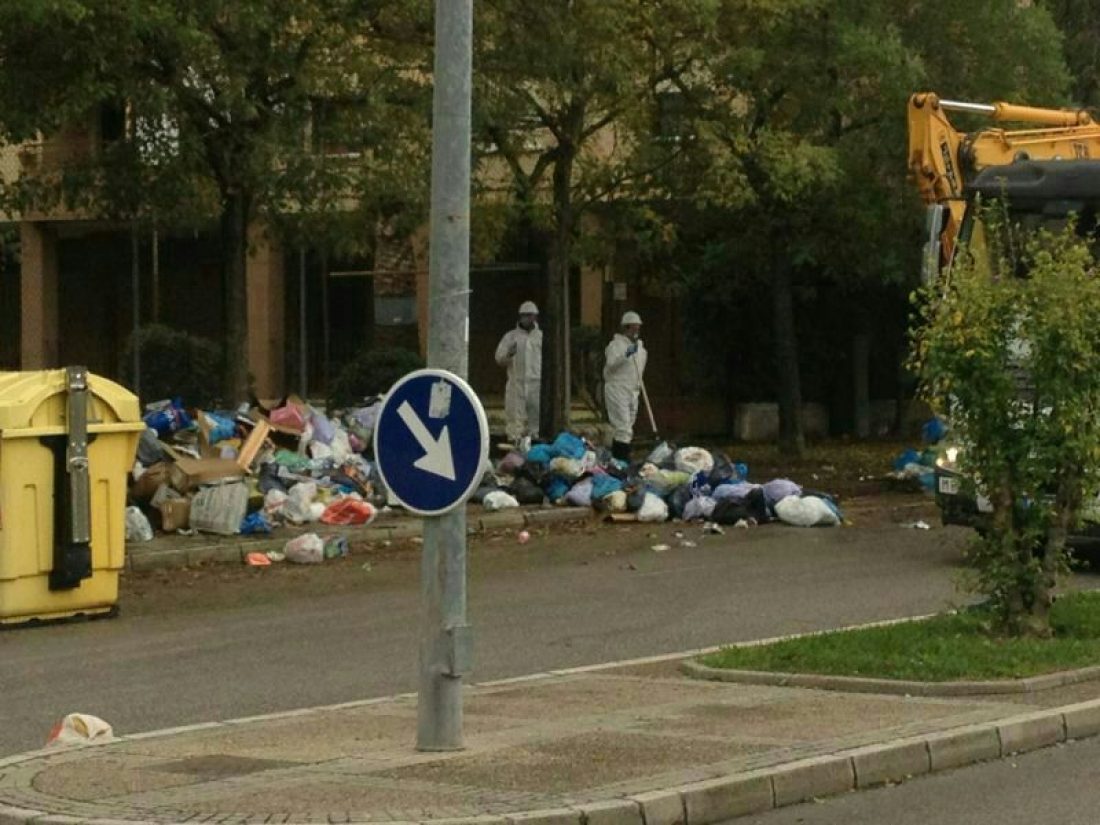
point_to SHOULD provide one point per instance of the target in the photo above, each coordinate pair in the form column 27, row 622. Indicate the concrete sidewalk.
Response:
column 175, row 551
column 637, row 745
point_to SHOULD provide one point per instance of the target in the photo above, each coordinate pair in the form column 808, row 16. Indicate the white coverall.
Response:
column 622, row 382
column 521, row 352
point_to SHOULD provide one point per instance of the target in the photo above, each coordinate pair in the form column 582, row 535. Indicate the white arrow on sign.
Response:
column 437, row 458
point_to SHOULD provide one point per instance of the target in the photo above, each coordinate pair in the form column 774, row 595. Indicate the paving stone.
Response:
column 1082, row 720
column 957, row 748
column 817, row 777
column 661, row 808
column 889, row 763
column 1028, row 734
column 720, row 799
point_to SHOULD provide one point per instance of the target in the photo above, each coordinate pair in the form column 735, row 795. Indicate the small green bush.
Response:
column 371, row 372
column 175, row 364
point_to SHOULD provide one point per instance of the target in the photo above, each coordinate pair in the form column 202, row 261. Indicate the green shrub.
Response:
column 175, row 364
column 371, row 372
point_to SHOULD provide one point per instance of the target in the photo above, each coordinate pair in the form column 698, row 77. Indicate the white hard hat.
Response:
column 631, row 317
column 528, row 308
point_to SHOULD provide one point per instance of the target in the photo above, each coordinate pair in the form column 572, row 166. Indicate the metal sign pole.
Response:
column 444, row 638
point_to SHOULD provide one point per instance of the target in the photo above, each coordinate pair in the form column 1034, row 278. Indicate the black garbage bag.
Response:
column 724, row 471
column 525, row 491
column 731, row 511
column 677, row 500
column 487, row 485
column 269, row 479
column 635, row 496
column 534, row 471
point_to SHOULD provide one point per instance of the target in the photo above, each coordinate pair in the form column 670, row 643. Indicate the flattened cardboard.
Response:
column 189, row 473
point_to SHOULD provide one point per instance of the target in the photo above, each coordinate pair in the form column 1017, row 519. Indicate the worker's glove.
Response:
column 631, row 350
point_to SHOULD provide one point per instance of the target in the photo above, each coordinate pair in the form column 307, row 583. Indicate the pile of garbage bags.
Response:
column 254, row 469
column 920, row 465
column 689, row 483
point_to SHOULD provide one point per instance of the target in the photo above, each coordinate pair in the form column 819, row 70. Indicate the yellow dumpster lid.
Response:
column 25, row 400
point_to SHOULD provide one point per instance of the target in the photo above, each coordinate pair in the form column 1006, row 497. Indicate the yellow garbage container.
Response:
column 67, row 441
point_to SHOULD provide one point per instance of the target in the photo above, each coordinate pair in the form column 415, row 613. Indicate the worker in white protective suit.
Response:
column 520, row 351
column 624, row 365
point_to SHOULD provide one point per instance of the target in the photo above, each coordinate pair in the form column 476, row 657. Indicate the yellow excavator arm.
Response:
column 942, row 159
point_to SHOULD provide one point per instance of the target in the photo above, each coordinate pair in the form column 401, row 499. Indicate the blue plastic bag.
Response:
column 556, row 488
column 254, row 524
column 167, row 417
column 221, row 427
column 605, row 485
column 908, row 457
column 934, row 430
column 569, row 446
column 540, row 454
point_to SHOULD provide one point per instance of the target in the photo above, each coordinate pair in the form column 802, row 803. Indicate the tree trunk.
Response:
column 556, row 378
column 861, row 362
column 236, row 382
column 792, row 441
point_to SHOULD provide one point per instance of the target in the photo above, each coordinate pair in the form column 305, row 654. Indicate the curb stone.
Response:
column 862, row 684
column 611, row 812
column 231, row 552
column 661, row 808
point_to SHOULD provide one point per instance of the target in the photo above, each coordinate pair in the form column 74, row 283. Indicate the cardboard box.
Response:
column 175, row 514
column 189, row 473
column 146, row 487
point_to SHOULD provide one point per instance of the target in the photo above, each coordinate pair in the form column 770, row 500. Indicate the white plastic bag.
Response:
column 653, row 508
column 694, row 460
column 297, row 507
column 498, row 500
column 138, row 527
column 307, row 548
column 79, row 729
column 274, row 500
column 806, row 511
column 661, row 453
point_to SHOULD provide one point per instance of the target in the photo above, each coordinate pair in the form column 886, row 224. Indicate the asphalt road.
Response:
column 1054, row 786
column 193, row 647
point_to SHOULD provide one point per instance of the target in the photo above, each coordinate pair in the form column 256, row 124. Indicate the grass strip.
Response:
column 943, row 648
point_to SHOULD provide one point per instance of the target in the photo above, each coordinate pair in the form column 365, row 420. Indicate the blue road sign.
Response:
column 431, row 441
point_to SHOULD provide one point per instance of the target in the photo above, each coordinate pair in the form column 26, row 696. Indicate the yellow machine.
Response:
column 1044, row 169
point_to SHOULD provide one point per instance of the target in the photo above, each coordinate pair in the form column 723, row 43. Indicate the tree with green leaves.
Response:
column 798, row 138
column 1008, row 350
column 562, row 105
column 250, row 112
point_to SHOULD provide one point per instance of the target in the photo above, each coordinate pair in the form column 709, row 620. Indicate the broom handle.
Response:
column 645, row 397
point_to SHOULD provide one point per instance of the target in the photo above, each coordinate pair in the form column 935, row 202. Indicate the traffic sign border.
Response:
column 483, row 427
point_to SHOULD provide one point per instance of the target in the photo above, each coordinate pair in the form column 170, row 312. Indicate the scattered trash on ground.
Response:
column 918, row 525
column 79, row 729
